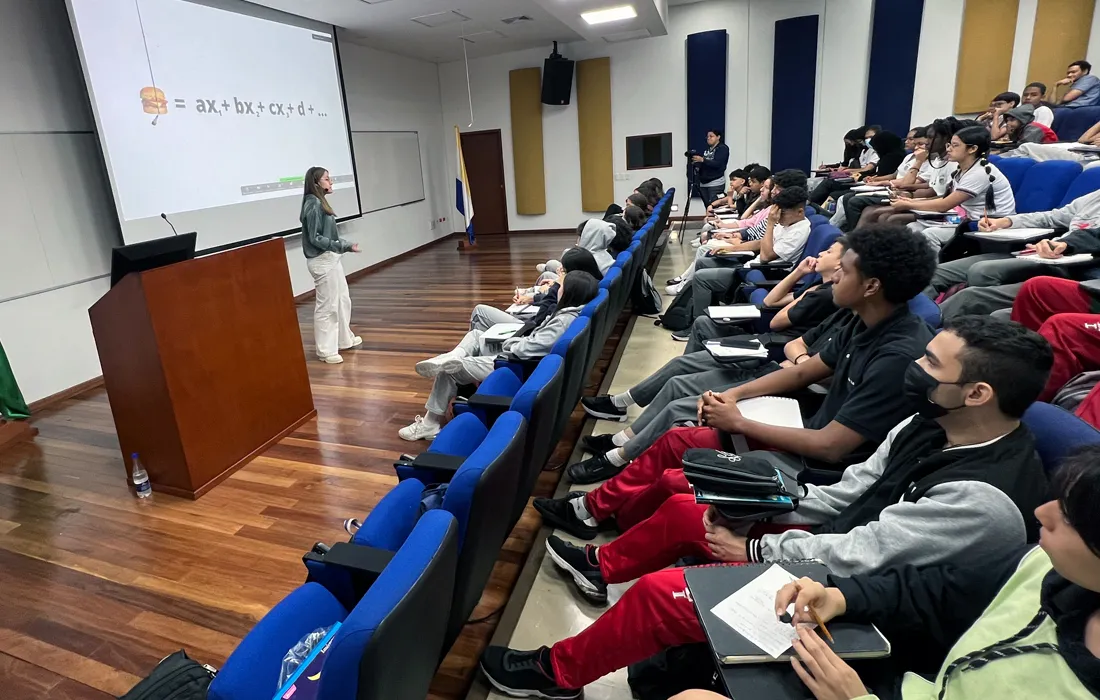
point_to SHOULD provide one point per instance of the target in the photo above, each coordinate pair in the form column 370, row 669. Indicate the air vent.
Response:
column 510, row 20
column 627, row 36
column 484, row 37
column 441, row 19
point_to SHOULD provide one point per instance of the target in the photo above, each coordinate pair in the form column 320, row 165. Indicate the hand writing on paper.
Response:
column 823, row 672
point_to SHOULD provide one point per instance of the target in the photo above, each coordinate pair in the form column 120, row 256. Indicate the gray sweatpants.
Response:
column 473, row 369
column 485, row 317
column 678, row 401
column 712, row 276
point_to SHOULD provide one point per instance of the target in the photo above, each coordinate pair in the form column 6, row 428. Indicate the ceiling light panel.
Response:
column 441, row 19
column 610, row 14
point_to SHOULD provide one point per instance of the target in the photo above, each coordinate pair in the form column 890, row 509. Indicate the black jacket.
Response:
column 714, row 163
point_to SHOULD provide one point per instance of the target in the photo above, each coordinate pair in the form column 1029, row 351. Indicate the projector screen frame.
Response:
column 258, row 12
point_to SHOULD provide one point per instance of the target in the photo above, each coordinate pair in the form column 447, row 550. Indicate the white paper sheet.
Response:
column 734, row 311
column 751, row 612
column 1012, row 234
column 1064, row 260
column 716, row 349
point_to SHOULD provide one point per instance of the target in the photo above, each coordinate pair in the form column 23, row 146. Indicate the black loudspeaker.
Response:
column 557, row 81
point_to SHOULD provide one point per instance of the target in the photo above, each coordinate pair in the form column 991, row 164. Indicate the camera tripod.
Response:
column 693, row 184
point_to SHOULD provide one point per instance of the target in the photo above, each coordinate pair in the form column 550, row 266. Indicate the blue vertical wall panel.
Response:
column 707, row 62
column 794, row 80
column 895, row 38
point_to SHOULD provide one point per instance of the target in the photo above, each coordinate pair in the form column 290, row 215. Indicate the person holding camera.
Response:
column 710, row 167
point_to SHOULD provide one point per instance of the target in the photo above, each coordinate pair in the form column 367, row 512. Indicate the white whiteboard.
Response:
column 388, row 167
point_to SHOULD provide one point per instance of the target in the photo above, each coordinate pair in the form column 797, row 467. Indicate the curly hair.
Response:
column 901, row 260
column 790, row 177
column 790, row 198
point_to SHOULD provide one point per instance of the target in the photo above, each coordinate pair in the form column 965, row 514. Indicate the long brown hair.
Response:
column 313, row 187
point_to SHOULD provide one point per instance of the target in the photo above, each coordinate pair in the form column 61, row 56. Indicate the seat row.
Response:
column 399, row 592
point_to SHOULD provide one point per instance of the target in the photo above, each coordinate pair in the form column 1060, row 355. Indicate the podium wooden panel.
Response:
column 203, row 364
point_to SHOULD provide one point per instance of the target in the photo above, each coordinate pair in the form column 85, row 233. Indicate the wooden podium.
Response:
column 203, row 364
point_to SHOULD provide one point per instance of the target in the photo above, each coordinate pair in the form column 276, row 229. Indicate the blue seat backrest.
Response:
column 1085, row 183
column 461, row 436
column 1071, row 123
column 1044, row 185
column 924, row 307
column 524, row 399
column 621, row 261
column 817, row 220
column 1057, row 433
column 1014, row 169
column 634, row 246
column 401, row 621
column 589, row 310
column 611, row 275
column 820, row 239
column 252, row 671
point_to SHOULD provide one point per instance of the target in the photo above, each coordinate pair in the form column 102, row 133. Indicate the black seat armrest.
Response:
column 363, row 564
column 490, row 401
column 442, row 466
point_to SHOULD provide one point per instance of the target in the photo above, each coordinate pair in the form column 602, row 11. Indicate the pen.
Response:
column 821, row 624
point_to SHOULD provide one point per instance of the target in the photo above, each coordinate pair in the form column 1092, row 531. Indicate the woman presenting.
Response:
column 323, row 246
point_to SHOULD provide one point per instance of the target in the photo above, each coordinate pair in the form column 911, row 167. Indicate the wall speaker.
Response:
column 557, row 80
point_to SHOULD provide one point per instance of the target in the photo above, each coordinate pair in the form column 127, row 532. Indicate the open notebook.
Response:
column 733, row 312
column 1078, row 259
column 1013, row 234
column 724, row 352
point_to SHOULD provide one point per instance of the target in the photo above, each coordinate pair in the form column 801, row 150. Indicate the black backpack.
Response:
column 679, row 317
column 176, row 677
column 646, row 300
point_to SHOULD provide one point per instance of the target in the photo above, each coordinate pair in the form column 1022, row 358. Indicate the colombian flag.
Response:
column 463, row 202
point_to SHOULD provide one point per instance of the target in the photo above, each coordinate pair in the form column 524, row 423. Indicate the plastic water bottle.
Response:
column 142, row 487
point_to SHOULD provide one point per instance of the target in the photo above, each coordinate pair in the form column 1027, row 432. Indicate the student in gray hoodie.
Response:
column 471, row 362
column 596, row 235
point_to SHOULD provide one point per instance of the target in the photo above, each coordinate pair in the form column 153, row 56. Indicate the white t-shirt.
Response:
column 938, row 174
column 788, row 242
column 906, row 166
column 1044, row 115
column 975, row 182
column 867, row 157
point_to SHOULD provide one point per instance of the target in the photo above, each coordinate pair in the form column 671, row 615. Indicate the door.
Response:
column 485, row 168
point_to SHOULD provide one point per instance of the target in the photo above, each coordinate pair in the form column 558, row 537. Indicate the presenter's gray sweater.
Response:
column 319, row 234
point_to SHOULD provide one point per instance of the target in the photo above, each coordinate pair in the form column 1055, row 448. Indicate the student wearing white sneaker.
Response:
column 322, row 246
column 470, row 363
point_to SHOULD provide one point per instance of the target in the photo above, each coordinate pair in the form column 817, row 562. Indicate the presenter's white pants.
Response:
column 332, row 314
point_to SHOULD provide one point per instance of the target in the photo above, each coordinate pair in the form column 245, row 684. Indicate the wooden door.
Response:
column 485, row 168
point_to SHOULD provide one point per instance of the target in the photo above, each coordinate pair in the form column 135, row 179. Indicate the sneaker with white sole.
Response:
column 674, row 289
column 419, row 429
column 331, row 359
column 355, row 342
column 432, row 366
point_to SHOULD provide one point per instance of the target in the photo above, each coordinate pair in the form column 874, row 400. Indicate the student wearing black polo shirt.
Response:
column 882, row 268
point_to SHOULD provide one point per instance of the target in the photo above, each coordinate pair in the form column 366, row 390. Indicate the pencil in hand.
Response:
column 821, row 624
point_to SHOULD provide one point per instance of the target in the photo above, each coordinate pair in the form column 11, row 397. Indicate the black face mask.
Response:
column 919, row 386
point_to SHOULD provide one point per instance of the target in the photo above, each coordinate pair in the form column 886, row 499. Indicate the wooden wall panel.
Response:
column 525, row 95
column 1061, row 36
column 985, row 53
column 594, row 126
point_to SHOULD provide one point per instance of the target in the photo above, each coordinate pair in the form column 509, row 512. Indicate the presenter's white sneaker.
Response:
column 356, row 342
column 434, row 365
column 332, row 359
column 420, row 429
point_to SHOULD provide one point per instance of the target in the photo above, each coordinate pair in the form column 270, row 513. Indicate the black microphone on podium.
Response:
column 165, row 217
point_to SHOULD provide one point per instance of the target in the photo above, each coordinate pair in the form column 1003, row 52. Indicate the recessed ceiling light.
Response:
column 611, row 14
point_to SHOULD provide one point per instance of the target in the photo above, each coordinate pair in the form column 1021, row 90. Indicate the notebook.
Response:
column 727, row 253
column 1013, row 234
column 522, row 309
column 723, row 352
column 1084, row 148
column 305, row 682
column 713, row 587
column 1064, row 260
column 499, row 332
column 869, row 188
column 733, row 312
column 773, row 410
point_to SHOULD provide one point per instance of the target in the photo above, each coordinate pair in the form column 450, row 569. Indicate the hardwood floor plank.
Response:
column 97, row 587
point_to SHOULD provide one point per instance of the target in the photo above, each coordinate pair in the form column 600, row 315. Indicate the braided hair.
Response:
column 978, row 136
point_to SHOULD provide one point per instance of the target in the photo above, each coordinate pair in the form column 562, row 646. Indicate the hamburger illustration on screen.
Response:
column 153, row 102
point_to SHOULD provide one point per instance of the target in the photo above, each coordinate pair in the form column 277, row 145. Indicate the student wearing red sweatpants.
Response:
column 866, row 357
column 891, row 510
column 1064, row 313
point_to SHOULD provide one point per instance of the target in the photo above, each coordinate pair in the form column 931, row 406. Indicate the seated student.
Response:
column 471, row 362
column 994, row 279
column 1067, row 314
column 544, row 297
column 1035, row 94
column 758, row 175
column 853, row 149
column 889, row 152
column 737, row 182
column 598, row 236
column 977, row 189
column 1019, row 628
column 785, row 234
column 657, row 186
column 993, row 119
column 955, row 484
column 1020, row 127
column 851, row 206
column 671, row 394
column 1084, row 87
column 880, row 271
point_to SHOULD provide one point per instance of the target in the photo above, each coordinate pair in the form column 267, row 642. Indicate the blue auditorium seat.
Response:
column 1085, row 183
column 1057, row 433
column 399, row 622
column 1014, row 169
column 597, row 310
column 1071, row 123
column 927, row 309
column 573, row 346
column 1044, row 185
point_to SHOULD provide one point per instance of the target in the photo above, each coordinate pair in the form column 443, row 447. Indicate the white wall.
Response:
column 47, row 335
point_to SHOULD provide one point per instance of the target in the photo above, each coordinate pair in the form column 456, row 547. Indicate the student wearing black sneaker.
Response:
column 955, row 484
column 882, row 268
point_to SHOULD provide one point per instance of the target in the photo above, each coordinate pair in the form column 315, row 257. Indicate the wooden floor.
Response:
column 96, row 586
